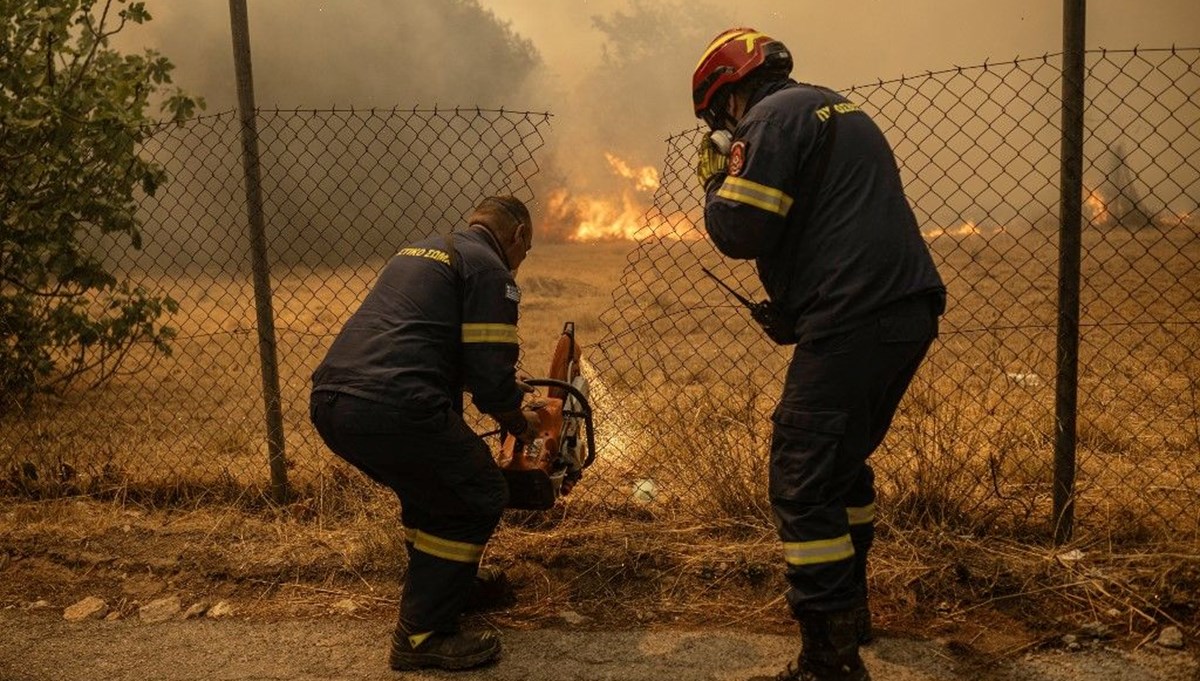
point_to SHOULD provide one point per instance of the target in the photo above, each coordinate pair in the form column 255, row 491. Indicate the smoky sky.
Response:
column 615, row 73
column 360, row 53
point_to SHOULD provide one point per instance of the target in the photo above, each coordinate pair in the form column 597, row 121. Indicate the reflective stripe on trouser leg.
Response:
column 861, row 514
column 454, row 506
column 436, row 584
column 862, row 535
column 818, row 551
column 451, row 493
column 410, row 536
column 447, row 549
column 809, row 481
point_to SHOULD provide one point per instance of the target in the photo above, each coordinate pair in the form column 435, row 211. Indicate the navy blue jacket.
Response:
column 427, row 331
column 859, row 249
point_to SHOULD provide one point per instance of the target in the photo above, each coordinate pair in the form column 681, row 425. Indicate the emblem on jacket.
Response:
column 737, row 157
column 512, row 292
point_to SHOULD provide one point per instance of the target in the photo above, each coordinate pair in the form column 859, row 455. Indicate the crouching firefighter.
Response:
column 801, row 180
column 388, row 398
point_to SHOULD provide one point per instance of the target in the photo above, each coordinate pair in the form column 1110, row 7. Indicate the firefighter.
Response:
column 388, row 398
column 801, row 180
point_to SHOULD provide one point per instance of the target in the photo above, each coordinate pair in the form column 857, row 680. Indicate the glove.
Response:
column 535, row 402
column 713, row 155
column 523, row 424
column 533, row 426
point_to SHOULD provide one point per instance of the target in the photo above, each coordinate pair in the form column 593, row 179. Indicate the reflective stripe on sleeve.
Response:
column 489, row 333
column 741, row 190
column 861, row 515
column 457, row 551
column 819, row 551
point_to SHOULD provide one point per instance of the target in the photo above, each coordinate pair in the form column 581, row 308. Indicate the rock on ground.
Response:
column 88, row 609
column 1170, row 637
column 221, row 609
column 160, row 610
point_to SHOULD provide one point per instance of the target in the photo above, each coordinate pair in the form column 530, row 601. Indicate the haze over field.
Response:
column 615, row 73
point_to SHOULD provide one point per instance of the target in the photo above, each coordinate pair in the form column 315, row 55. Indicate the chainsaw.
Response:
column 540, row 472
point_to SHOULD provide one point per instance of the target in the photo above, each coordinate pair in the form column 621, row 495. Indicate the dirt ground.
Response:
column 41, row 646
column 308, row 601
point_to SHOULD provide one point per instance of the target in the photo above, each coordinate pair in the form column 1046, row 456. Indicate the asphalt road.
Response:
column 41, row 646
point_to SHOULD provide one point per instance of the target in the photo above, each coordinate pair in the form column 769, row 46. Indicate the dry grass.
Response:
column 995, row 596
column 964, row 478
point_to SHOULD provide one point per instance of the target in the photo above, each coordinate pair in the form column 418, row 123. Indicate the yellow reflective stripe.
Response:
column 431, row 253
column 819, row 551
column 861, row 515
column 754, row 194
column 747, row 37
column 410, row 535
column 417, row 639
column 489, row 333
column 458, row 551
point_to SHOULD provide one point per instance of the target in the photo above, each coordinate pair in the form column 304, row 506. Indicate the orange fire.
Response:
column 966, row 229
column 588, row 218
column 1095, row 207
column 646, row 177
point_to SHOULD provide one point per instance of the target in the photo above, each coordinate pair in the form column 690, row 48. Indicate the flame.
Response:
column 1095, row 206
column 624, row 217
column 646, row 177
column 966, row 229
column 590, row 218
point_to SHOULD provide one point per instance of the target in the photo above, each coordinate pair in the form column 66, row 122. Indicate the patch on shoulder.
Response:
column 737, row 158
column 512, row 292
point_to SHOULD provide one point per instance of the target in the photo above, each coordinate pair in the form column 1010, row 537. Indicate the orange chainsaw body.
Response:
column 539, row 472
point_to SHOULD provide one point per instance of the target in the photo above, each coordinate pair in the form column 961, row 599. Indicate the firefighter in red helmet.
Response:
column 801, row 180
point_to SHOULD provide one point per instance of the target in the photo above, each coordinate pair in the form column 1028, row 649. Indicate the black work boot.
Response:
column 460, row 650
column 491, row 590
column 862, row 623
column 829, row 652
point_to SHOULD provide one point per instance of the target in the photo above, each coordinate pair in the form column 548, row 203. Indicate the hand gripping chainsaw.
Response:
column 540, row 472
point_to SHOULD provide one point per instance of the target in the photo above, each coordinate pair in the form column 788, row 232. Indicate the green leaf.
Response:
column 70, row 141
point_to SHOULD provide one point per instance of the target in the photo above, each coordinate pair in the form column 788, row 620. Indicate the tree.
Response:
column 72, row 114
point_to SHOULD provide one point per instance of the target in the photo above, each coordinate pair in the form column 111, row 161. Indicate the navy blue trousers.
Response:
column 451, row 495
column 838, row 401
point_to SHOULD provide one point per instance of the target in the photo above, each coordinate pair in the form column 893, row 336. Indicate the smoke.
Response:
column 366, row 53
column 612, row 106
column 617, row 112
column 615, row 73
column 640, row 91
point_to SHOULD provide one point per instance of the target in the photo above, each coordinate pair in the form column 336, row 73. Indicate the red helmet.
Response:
column 730, row 57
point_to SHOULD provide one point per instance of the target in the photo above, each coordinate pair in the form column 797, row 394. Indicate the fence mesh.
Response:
column 973, row 442
column 342, row 189
column 682, row 380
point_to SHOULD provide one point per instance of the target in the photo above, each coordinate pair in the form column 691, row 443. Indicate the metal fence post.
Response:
column 1069, row 255
column 258, row 248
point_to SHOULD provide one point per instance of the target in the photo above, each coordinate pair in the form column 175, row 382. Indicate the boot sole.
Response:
column 410, row 661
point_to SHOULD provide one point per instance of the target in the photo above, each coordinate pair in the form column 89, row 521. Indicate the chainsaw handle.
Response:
column 586, row 412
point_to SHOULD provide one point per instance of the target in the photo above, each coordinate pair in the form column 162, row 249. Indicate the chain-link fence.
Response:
column 973, row 444
column 682, row 381
column 343, row 189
